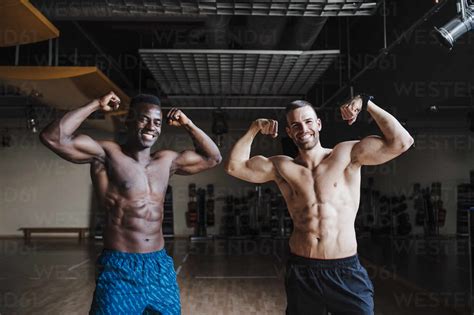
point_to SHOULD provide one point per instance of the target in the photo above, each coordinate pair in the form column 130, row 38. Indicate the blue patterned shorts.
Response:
column 134, row 283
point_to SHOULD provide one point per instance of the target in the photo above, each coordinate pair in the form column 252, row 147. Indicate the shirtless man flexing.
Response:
column 321, row 187
column 136, row 275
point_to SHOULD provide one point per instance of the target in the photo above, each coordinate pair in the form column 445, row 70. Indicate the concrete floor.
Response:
column 56, row 276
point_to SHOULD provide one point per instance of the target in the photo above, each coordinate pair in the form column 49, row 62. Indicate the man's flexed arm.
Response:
column 60, row 135
column 374, row 150
column 257, row 169
column 205, row 154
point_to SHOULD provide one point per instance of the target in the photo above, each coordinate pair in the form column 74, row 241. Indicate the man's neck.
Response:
column 141, row 155
column 312, row 158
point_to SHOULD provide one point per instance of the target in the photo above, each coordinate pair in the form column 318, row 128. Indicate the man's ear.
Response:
column 288, row 131
column 320, row 124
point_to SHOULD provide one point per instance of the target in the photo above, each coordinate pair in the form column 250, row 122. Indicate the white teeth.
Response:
column 148, row 133
column 148, row 136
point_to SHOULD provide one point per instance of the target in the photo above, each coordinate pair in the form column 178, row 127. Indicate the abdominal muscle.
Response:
column 134, row 226
column 322, row 231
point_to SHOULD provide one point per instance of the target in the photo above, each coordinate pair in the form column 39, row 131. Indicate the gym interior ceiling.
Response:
column 261, row 54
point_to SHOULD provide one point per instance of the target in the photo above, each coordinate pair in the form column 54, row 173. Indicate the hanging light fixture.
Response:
column 462, row 23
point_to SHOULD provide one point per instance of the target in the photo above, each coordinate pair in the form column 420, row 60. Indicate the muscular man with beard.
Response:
column 321, row 187
column 136, row 274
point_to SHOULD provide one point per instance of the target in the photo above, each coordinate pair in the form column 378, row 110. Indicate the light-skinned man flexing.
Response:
column 321, row 187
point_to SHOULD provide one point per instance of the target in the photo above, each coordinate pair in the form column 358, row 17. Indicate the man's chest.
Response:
column 130, row 177
column 320, row 185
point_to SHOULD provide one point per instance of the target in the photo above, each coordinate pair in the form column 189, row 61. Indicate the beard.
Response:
column 307, row 145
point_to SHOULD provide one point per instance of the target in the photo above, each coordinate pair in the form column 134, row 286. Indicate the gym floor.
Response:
column 56, row 276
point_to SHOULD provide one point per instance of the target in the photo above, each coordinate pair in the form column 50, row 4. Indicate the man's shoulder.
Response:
column 343, row 152
column 164, row 154
column 108, row 144
column 344, row 148
column 110, row 147
column 345, row 145
column 281, row 159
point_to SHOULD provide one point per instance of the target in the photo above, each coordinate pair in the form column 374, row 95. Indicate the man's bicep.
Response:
column 190, row 162
column 79, row 149
column 372, row 150
column 258, row 169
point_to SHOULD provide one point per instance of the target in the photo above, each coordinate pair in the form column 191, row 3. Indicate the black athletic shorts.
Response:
column 328, row 286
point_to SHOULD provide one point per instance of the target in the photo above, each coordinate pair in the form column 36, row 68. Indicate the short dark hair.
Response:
column 145, row 99
column 298, row 104
column 141, row 99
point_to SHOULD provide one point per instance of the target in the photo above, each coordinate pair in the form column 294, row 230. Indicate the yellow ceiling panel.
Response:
column 21, row 23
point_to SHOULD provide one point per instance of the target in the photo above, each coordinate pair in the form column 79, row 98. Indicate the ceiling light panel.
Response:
column 236, row 72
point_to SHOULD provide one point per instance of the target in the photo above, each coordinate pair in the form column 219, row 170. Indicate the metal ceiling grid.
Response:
column 251, row 102
column 108, row 8
column 246, row 7
column 236, row 72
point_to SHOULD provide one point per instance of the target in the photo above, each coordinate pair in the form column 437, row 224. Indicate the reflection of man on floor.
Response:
column 136, row 273
column 321, row 187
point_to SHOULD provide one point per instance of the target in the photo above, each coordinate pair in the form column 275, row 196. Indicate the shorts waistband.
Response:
column 115, row 254
column 324, row 263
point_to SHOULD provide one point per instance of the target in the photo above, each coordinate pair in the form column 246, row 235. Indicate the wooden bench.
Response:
column 28, row 230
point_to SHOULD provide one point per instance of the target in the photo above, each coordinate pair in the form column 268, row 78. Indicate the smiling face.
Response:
column 303, row 127
column 144, row 124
